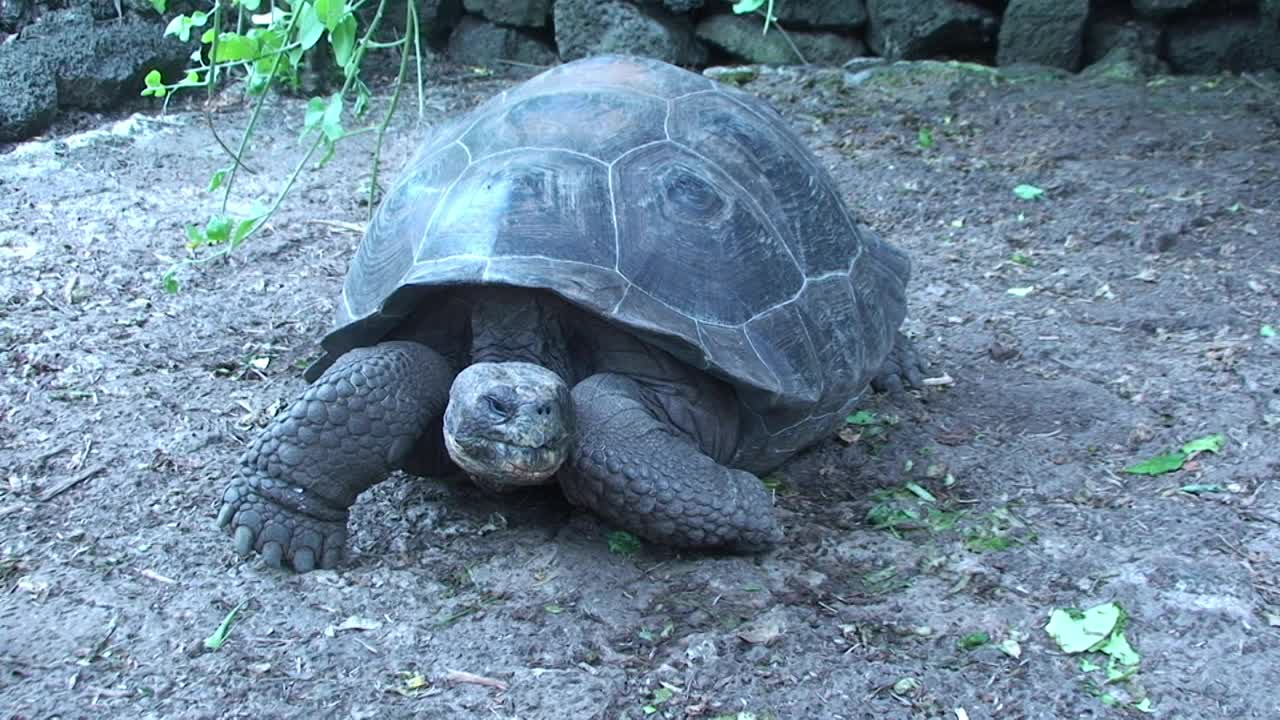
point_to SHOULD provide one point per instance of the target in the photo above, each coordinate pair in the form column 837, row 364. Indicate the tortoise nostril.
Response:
column 544, row 409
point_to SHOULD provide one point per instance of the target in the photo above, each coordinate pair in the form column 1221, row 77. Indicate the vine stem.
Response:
column 411, row 25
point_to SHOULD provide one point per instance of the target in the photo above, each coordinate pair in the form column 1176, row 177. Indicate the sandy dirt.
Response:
column 1119, row 316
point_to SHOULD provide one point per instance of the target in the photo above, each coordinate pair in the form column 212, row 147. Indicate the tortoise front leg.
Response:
column 638, row 471
column 360, row 420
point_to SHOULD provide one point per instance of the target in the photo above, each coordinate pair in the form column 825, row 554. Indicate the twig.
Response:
column 359, row 228
column 69, row 483
column 455, row 677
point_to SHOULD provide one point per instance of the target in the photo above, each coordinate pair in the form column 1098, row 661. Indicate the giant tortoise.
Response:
column 620, row 276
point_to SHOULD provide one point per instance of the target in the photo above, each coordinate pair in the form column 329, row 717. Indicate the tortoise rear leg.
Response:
column 347, row 431
column 634, row 468
column 904, row 368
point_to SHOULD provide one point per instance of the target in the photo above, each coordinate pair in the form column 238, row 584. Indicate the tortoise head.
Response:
column 508, row 424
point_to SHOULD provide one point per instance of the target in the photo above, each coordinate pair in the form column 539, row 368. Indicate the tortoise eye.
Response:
column 496, row 405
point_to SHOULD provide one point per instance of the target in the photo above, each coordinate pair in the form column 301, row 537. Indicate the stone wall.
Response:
column 93, row 53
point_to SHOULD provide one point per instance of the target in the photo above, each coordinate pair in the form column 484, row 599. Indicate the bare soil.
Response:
column 1142, row 280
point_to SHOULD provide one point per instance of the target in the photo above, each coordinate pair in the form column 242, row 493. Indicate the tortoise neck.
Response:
column 519, row 326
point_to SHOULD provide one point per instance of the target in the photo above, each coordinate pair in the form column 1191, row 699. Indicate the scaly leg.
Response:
column 347, row 432
column 636, row 470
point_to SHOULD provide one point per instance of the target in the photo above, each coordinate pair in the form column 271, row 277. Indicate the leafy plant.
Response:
column 266, row 47
column 622, row 542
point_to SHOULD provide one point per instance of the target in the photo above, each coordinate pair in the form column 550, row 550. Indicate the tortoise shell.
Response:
column 679, row 209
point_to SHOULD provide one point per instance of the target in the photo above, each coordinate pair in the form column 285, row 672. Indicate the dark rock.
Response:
column 916, row 29
column 1165, row 8
column 821, row 14
column 1044, row 32
column 28, row 94
column 1206, row 46
column 520, row 13
column 681, row 7
column 99, row 64
column 13, row 13
column 1112, row 31
column 67, row 59
column 589, row 27
column 1124, row 63
column 740, row 36
column 479, row 42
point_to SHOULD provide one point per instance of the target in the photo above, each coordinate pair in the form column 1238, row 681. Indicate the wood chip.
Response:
column 55, row 490
column 943, row 379
column 456, row 677
column 153, row 575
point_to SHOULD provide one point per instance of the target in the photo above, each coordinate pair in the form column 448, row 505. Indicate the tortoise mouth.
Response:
column 499, row 463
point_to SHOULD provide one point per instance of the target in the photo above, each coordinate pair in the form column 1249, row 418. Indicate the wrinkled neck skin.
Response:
column 519, row 326
column 510, row 420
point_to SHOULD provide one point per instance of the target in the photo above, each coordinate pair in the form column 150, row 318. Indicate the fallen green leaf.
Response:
column 1208, row 443
column 1144, row 705
column 920, row 492
column 862, row 417
column 553, row 609
column 1021, row 291
column 219, row 636
column 974, row 640
column 1081, row 631
column 1158, row 465
column 1028, row 192
column 1267, row 331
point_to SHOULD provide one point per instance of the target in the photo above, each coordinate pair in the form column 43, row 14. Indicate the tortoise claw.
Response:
column 283, row 536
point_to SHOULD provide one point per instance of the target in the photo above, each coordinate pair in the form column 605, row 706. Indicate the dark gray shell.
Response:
column 665, row 202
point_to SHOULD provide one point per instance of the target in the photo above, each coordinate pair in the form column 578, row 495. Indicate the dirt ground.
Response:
column 1120, row 315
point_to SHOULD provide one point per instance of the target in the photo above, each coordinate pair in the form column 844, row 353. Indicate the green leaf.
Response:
column 243, row 229
column 622, row 542
column 742, row 7
column 1208, row 443
column 662, row 695
column 553, row 609
column 315, row 114
column 1080, row 631
column 975, row 640
column 330, row 12
column 170, row 282
column 1158, row 465
column 310, row 29
column 218, row 229
column 332, row 122
column 925, row 138
column 1267, row 331
column 251, row 5
column 219, row 636
column 160, row 5
column 1028, row 192
column 234, row 47
column 920, row 492
column 1120, row 650
column 1021, row 291
column 1144, row 705
column 862, row 417
column 154, row 84
column 181, row 25
column 343, row 40
column 219, row 176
